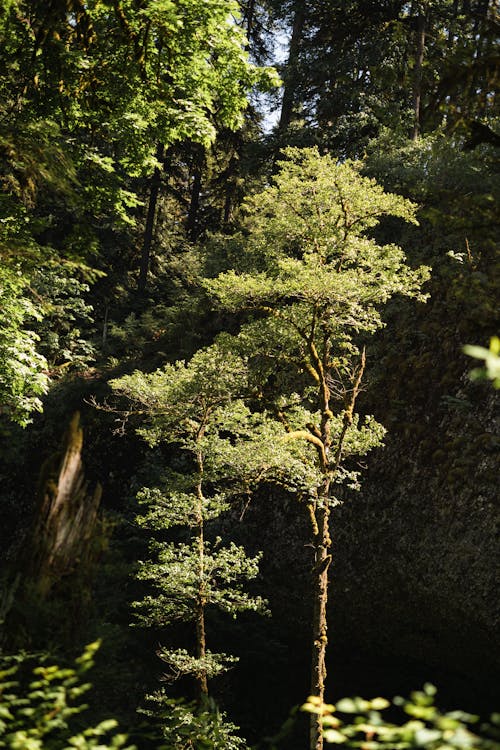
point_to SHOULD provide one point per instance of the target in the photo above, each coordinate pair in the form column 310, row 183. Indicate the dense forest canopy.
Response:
column 243, row 453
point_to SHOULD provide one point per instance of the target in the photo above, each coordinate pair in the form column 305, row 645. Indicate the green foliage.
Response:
column 181, row 400
column 359, row 723
column 354, row 72
column 41, row 715
column 88, row 91
column 197, row 407
column 316, row 278
column 308, row 243
column 42, row 307
column 185, row 725
column 181, row 663
column 176, row 576
column 458, row 192
column 23, row 370
column 174, row 72
column 85, row 100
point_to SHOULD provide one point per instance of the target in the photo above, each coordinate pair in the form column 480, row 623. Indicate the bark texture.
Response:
column 66, row 524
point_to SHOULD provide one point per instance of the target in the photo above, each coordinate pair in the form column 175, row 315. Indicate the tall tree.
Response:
column 420, row 33
column 316, row 279
column 289, row 93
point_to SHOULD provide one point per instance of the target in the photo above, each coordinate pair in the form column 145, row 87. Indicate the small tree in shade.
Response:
column 187, row 405
column 197, row 407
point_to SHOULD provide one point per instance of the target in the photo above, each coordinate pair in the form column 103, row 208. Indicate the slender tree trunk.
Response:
column 248, row 15
column 322, row 541
column 147, row 242
column 105, row 328
column 477, row 93
column 291, row 68
column 452, row 25
column 417, row 73
column 192, row 224
column 201, row 640
column 320, row 622
column 230, row 180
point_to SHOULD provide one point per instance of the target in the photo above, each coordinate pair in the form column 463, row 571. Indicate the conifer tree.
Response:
column 197, row 407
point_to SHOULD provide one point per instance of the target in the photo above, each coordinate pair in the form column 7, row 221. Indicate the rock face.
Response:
column 417, row 550
column 415, row 583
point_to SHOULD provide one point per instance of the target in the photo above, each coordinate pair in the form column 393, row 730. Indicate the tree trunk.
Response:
column 291, row 67
column 320, row 623
column 322, row 544
column 417, row 73
column 192, row 223
column 201, row 641
column 60, row 553
column 248, row 16
column 330, row 463
column 452, row 25
column 147, row 242
column 67, row 520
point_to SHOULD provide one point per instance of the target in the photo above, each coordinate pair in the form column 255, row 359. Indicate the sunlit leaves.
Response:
column 181, row 663
column 357, row 722
column 198, row 407
column 41, row 715
column 189, row 724
column 23, row 373
column 180, row 399
column 176, row 576
column 491, row 359
column 308, row 236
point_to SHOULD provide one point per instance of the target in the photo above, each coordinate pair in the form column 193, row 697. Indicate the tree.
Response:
column 357, row 68
column 316, row 278
column 223, row 451
column 196, row 407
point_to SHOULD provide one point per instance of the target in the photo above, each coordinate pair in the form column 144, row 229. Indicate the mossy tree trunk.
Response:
column 67, row 520
column 201, row 639
column 64, row 544
column 320, row 517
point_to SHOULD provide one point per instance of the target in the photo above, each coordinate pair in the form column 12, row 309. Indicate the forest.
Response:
column 249, row 374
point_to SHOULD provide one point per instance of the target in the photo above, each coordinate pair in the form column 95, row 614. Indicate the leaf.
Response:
column 332, row 735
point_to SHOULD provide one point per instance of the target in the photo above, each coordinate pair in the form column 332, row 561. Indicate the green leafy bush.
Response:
column 41, row 715
column 359, row 723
